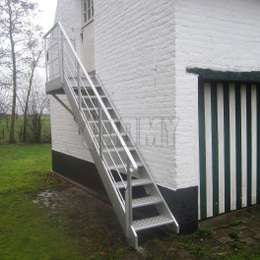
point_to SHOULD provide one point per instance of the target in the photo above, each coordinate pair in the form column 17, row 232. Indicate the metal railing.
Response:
column 62, row 62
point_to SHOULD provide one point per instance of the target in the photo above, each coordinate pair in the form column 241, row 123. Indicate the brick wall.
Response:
column 65, row 136
column 69, row 14
column 135, row 60
column 64, row 131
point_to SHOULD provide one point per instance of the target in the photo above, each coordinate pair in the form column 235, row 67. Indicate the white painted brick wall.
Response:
column 65, row 136
column 220, row 35
column 142, row 51
column 64, row 130
column 135, row 60
column 68, row 12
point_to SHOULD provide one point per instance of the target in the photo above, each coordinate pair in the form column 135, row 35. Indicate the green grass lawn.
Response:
column 26, row 231
column 82, row 227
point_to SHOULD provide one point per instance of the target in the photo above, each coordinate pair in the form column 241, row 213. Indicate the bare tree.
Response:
column 4, row 101
column 38, row 105
column 14, row 16
column 34, row 58
column 5, row 106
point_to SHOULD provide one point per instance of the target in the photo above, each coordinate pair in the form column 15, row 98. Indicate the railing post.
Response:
column 46, row 52
column 128, row 200
column 79, row 88
column 61, row 52
column 100, row 130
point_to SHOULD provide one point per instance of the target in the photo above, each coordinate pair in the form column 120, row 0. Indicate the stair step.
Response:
column 119, row 149
column 122, row 166
column 135, row 183
column 146, row 201
column 93, row 96
column 153, row 222
column 95, row 109
column 76, row 77
column 89, row 90
column 112, row 135
column 104, row 121
column 88, row 87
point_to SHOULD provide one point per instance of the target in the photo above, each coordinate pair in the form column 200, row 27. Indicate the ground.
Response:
column 42, row 217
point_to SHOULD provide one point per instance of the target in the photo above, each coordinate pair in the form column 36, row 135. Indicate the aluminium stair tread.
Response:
column 135, row 183
column 93, row 96
column 112, row 135
column 104, row 121
column 146, row 201
column 96, row 108
column 118, row 149
column 87, row 87
column 122, row 166
column 152, row 222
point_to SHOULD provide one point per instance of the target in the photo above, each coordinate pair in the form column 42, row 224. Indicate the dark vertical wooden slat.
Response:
column 249, row 143
column 227, row 146
column 215, row 149
column 202, row 150
column 238, row 146
column 258, row 142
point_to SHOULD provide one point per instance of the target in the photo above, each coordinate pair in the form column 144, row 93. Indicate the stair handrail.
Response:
column 101, row 103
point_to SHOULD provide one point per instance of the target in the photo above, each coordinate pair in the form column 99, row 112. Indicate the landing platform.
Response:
column 54, row 86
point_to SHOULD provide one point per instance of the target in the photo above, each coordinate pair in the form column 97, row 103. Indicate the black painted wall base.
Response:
column 184, row 205
column 80, row 171
column 183, row 202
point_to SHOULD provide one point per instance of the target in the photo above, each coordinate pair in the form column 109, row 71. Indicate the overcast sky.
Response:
column 46, row 18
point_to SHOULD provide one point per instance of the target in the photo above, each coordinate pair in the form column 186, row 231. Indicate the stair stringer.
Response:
column 104, row 175
column 175, row 227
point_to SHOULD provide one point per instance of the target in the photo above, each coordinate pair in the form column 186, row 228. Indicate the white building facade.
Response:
column 183, row 76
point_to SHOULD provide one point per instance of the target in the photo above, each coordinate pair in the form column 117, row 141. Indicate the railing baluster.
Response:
column 100, row 130
column 128, row 200
column 61, row 53
column 46, row 59
column 79, row 88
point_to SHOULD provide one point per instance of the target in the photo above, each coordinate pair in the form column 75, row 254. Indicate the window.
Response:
column 88, row 10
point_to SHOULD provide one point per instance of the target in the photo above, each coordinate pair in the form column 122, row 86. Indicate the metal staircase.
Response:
column 134, row 195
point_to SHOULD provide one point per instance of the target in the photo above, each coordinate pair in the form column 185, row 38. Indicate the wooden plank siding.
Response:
column 229, row 139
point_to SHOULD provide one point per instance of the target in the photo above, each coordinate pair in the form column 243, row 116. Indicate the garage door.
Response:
column 229, row 142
